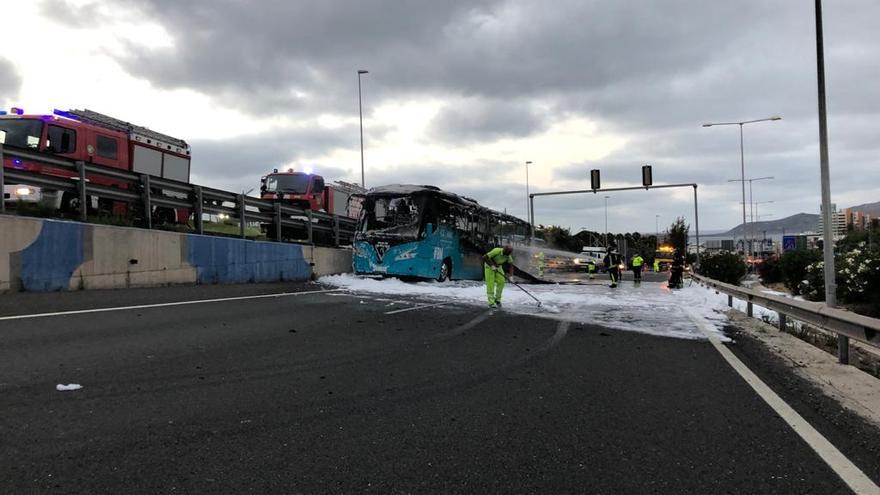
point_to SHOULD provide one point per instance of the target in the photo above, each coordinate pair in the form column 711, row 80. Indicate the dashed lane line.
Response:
column 858, row 482
column 164, row 305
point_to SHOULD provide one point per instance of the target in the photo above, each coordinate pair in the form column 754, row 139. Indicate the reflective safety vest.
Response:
column 638, row 261
column 498, row 257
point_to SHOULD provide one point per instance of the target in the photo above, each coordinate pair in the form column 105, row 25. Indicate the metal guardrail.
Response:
column 835, row 320
column 148, row 191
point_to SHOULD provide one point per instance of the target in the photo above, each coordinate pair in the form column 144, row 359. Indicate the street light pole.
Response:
column 751, row 208
column 656, row 232
column 528, row 208
column 742, row 165
column 361, row 114
column 742, row 162
column 758, row 218
column 827, row 234
column 756, row 203
column 606, row 222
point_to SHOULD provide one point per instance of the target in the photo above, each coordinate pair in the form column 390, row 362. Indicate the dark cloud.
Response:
column 237, row 164
column 10, row 82
column 646, row 70
column 480, row 120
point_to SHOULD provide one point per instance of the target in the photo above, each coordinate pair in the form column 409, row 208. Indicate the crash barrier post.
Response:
column 834, row 320
column 242, row 215
column 148, row 201
column 197, row 212
column 83, row 193
column 150, row 192
column 278, row 222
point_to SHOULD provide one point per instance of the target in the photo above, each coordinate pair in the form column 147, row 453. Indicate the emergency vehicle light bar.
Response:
column 68, row 115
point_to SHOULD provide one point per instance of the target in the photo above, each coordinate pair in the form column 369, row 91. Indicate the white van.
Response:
column 591, row 254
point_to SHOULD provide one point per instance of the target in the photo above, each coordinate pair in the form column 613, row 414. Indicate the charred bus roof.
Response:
column 395, row 190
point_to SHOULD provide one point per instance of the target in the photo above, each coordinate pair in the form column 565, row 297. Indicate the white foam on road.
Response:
column 67, row 388
column 650, row 308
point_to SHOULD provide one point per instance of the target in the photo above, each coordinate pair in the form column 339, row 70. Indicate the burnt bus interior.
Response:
column 401, row 215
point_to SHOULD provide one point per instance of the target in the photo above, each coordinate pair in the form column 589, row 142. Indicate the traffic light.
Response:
column 647, row 176
column 594, row 179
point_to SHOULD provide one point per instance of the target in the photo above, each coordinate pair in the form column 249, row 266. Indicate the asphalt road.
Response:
column 328, row 392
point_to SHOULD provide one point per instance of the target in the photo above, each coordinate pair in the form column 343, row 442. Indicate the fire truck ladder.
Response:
column 136, row 132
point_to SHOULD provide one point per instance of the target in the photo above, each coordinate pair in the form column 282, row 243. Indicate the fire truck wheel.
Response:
column 165, row 216
column 105, row 207
column 70, row 202
column 445, row 271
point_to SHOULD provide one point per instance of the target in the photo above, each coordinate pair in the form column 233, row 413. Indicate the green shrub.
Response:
column 794, row 267
column 770, row 271
column 724, row 267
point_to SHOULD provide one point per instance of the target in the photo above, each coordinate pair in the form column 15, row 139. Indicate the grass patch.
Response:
column 232, row 229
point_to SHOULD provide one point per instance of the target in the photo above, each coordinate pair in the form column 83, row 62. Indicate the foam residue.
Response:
column 67, row 388
column 650, row 308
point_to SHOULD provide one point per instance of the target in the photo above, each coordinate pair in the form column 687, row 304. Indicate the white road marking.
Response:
column 163, row 305
column 467, row 326
column 561, row 332
column 422, row 306
column 848, row 472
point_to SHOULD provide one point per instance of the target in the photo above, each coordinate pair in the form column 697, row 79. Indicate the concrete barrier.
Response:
column 51, row 255
column 329, row 261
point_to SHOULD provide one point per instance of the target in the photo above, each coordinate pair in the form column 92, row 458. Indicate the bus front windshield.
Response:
column 397, row 216
column 21, row 133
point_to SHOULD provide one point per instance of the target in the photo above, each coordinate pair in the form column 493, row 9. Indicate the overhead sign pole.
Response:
column 614, row 189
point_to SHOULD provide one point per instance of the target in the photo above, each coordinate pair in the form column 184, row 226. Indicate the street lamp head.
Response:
column 361, row 71
column 776, row 117
column 528, row 163
column 708, row 125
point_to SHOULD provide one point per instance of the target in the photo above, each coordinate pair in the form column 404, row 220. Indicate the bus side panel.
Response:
column 467, row 264
column 422, row 258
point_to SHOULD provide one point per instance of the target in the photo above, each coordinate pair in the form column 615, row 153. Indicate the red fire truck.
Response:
column 93, row 138
column 309, row 192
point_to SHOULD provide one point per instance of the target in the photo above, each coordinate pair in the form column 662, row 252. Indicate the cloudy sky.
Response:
column 461, row 93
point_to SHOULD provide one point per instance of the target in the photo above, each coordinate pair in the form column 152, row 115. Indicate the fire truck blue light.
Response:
column 62, row 113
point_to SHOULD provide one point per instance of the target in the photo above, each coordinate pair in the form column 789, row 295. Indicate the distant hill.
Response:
column 870, row 208
column 795, row 224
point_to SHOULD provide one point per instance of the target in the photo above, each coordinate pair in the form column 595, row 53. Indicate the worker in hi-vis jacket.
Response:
column 495, row 262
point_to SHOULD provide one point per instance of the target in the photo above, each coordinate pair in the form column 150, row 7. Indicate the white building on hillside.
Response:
column 838, row 221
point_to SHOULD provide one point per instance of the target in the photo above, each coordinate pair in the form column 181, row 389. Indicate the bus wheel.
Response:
column 445, row 271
